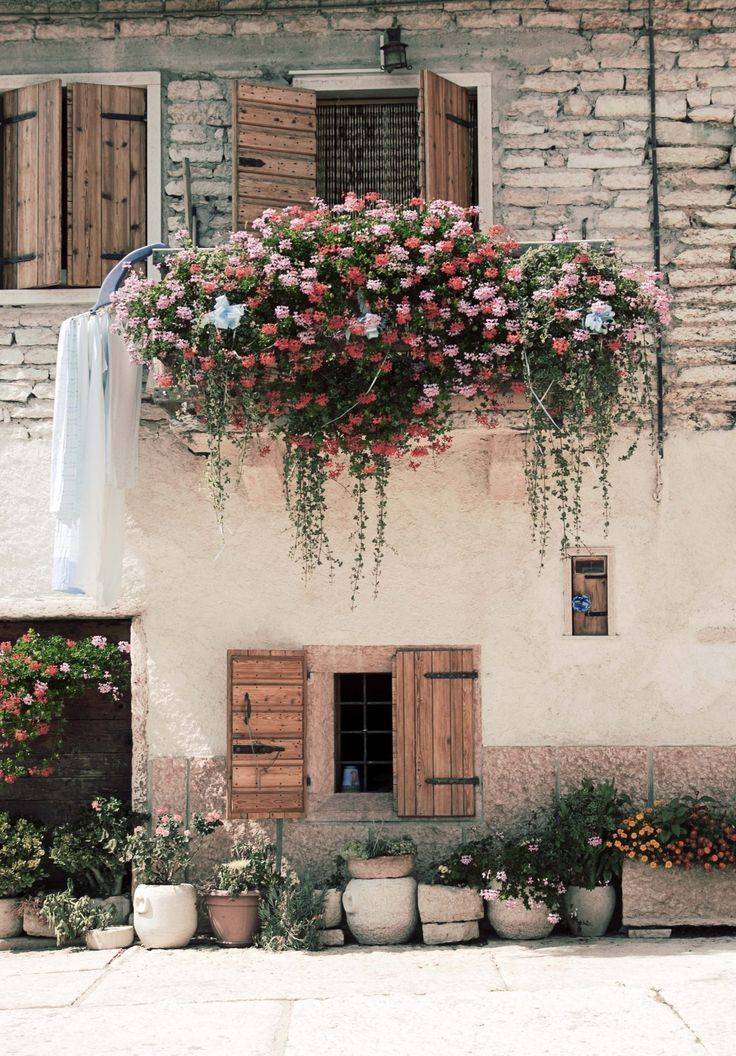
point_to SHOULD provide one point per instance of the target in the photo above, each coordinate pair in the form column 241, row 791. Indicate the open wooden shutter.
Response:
column 445, row 134
column 434, row 763
column 106, row 168
column 30, row 213
column 266, row 690
column 590, row 581
column 274, row 155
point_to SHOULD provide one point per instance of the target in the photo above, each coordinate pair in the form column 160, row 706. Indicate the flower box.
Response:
column 668, row 897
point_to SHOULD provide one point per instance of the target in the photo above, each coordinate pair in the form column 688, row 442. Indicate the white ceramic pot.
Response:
column 389, row 866
column 113, row 938
column 120, row 906
column 511, row 919
column 11, row 918
column 35, row 925
column 381, row 912
column 165, row 915
column 589, row 911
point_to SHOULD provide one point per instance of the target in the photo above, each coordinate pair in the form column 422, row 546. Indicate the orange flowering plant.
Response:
column 686, row 831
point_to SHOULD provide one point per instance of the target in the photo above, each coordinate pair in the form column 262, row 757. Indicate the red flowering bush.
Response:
column 37, row 676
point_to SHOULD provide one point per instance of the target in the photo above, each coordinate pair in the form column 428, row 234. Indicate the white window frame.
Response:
column 356, row 83
column 588, row 551
column 151, row 81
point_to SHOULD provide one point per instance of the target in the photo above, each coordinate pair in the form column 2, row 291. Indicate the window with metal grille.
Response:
column 364, row 733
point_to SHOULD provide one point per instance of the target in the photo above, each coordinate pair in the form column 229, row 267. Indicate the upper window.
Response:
column 73, row 164
column 364, row 731
column 589, row 594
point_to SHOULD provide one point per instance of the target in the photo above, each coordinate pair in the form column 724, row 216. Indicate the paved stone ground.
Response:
column 615, row 997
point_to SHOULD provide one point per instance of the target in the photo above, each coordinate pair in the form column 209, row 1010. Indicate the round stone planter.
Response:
column 234, row 921
column 381, row 912
column 389, row 867
column 589, row 912
column 34, row 924
column 511, row 919
column 165, row 915
column 118, row 937
column 120, row 906
column 11, row 918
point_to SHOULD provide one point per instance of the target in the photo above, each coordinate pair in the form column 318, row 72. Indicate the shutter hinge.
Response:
column 451, row 674
column 123, row 117
column 18, row 117
column 17, row 260
column 256, row 749
column 460, row 121
column 452, row 780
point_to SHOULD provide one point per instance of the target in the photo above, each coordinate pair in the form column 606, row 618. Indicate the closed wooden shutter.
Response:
column 106, row 167
column 445, row 132
column 434, row 701
column 274, row 155
column 590, row 581
column 30, row 209
column 266, row 692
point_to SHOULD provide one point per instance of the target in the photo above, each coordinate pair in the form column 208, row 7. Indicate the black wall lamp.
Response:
column 393, row 51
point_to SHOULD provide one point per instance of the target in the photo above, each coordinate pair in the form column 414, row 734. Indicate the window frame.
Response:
column 365, row 762
column 151, row 81
column 366, row 83
column 588, row 551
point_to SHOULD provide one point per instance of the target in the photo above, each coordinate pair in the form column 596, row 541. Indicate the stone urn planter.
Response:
column 117, row 937
column 667, row 897
column 588, row 911
column 234, row 920
column 449, row 914
column 34, row 924
column 381, row 912
column 387, row 867
column 511, row 919
column 11, row 917
column 165, row 915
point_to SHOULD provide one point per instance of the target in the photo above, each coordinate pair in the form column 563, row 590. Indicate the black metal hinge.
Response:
column 123, row 117
column 18, row 117
column 451, row 674
column 18, row 260
column 256, row 749
column 452, row 780
column 460, row 121
column 112, row 256
column 251, row 163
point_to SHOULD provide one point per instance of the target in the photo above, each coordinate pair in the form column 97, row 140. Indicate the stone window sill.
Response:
column 354, row 806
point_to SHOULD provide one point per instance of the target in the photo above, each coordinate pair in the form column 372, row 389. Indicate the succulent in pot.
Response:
column 237, row 887
column 380, row 858
column 72, row 917
column 164, row 907
column 21, row 858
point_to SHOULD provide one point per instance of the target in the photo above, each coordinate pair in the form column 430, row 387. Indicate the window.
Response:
column 78, row 170
column 589, row 594
column 364, row 735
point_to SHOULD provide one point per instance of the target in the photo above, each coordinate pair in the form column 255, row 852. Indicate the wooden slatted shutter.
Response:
column 30, row 209
column 590, row 580
column 106, row 168
column 266, row 691
column 434, row 723
column 445, row 134
column 274, row 155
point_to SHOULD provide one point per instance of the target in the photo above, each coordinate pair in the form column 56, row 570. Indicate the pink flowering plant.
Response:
column 588, row 322
column 38, row 676
column 162, row 852
column 343, row 332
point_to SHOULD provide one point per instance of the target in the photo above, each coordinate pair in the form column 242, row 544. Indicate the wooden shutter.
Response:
column 274, row 156
column 106, row 167
column 434, row 761
column 590, row 579
column 30, row 210
column 266, row 690
column 445, row 133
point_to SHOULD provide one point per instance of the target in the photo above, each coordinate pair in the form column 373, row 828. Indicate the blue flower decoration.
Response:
column 225, row 316
column 581, row 603
column 599, row 319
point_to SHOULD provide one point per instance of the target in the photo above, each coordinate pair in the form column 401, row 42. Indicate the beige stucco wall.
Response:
column 462, row 570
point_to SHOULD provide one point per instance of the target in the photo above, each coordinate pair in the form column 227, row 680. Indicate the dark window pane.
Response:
column 378, row 687
column 351, row 747
column 379, row 747
column 350, row 687
column 351, row 717
column 380, row 778
column 379, row 717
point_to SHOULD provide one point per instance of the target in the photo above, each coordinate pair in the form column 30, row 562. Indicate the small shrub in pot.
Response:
column 236, row 889
column 380, row 858
column 71, row 917
column 21, row 867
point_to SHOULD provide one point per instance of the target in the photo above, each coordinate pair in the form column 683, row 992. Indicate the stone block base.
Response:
column 332, row 937
column 443, row 905
column 665, row 898
column 457, row 931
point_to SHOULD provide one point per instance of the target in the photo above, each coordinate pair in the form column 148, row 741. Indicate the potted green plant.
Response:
column 237, row 887
column 164, row 907
column 381, row 898
column 291, row 914
column 522, row 887
column 75, row 917
column 21, row 858
column 581, row 832
column 379, row 858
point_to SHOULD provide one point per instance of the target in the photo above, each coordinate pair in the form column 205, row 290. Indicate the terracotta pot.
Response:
column 118, row 937
column 381, row 912
column 511, row 919
column 35, row 925
column 234, row 920
column 165, row 915
column 589, row 911
column 388, row 867
column 11, row 918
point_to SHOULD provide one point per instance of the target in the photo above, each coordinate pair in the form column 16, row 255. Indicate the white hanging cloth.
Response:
column 94, row 455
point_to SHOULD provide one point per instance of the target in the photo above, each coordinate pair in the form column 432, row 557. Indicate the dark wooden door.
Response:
column 96, row 747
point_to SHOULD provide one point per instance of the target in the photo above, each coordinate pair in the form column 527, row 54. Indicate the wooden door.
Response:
column 266, row 693
column 446, row 143
column 435, row 703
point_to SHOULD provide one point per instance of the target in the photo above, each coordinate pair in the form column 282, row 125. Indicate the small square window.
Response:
column 364, row 733
column 589, row 595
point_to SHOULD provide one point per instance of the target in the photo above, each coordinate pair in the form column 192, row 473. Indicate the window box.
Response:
column 670, row 897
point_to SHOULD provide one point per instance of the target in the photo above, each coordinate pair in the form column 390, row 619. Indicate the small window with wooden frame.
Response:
column 587, row 594
column 363, row 733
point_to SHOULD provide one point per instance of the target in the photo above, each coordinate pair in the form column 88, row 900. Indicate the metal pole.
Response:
column 279, row 843
column 656, row 233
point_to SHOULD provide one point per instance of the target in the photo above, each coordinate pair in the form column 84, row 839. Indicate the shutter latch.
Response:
column 18, row 117
column 452, row 780
column 460, row 121
column 451, row 674
column 256, row 748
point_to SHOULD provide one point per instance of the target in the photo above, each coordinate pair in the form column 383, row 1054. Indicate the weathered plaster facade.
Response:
column 651, row 704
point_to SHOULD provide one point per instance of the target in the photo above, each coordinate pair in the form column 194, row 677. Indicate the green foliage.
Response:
column 91, row 850
column 21, row 856
column 71, row 917
column 291, row 912
column 252, row 868
column 376, row 845
column 162, row 853
column 582, row 827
